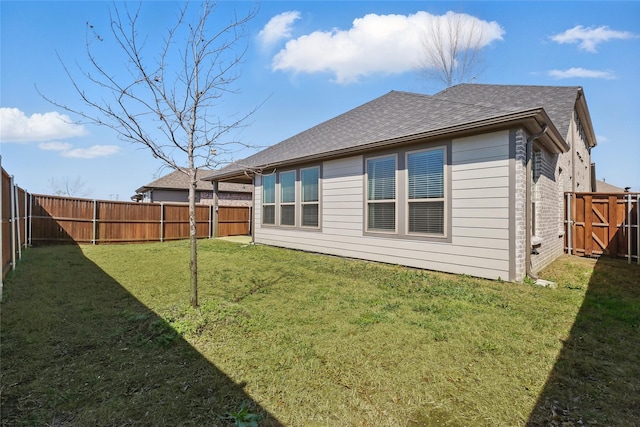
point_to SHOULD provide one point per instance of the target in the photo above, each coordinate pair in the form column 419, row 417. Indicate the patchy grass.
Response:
column 103, row 335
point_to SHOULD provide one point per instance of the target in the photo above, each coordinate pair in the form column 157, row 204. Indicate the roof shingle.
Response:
column 402, row 114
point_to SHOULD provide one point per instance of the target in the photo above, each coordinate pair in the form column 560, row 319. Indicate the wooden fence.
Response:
column 66, row 220
column 33, row 219
column 234, row 221
column 603, row 224
column 13, row 223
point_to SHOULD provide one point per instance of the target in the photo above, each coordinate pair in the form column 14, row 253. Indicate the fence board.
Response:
column 65, row 220
column 233, row 221
column 5, row 215
column 43, row 220
column 603, row 224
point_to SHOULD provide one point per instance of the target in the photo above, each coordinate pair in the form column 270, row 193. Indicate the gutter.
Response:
column 528, row 213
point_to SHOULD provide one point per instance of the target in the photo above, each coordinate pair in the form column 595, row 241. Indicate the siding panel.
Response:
column 481, row 182
column 479, row 215
column 489, row 202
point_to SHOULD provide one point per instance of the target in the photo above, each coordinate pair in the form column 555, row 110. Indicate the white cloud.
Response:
column 589, row 38
column 67, row 150
column 572, row 73
column 278, row 28
column 16, row 126
column 55, row 146
column 91, row 152
column 374, row 44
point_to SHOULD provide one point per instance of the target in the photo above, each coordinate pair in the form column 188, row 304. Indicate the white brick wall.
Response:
column 548, row 211
column 520, row 204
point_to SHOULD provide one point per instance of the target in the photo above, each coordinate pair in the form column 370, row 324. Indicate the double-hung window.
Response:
column 381, row 194
column 288, row 198
column 309, row 200
column 269, row 199
column 425, row 191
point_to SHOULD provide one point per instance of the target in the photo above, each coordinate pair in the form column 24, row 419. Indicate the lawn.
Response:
column 104, row 335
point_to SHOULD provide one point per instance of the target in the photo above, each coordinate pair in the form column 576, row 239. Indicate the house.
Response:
column 470, row 180
column 174, row 187
column 605, row 187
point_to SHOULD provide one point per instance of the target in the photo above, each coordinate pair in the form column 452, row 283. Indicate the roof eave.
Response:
column 585, row 118
column 534, row 120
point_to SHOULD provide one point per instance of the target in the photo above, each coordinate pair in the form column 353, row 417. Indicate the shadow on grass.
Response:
column 596, row 378
column 78, row 349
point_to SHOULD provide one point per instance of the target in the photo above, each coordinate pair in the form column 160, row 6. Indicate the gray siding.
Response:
column 479, row 215
column 178, row 196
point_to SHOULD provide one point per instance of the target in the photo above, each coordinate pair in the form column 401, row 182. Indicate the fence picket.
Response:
column 603, row 224
column 55, row 220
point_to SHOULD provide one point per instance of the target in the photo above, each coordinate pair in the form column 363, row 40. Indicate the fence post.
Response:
column 638, row 229
column 210, row 221
column 95, row 222
column 629, row 229
column 12, row 225
column 26, row 223
column 569, row 233
column 17, row 222
column 161, row 221
column 30, row 240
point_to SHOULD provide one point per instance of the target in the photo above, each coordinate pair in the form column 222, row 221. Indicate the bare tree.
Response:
column 70, row 187
column 452, row 47
column 171, row 103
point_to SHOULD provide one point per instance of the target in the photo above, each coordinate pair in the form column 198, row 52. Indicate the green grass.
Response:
column 104, row 335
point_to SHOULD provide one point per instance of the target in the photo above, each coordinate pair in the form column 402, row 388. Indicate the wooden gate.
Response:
column 234, row 221
column 602, row 224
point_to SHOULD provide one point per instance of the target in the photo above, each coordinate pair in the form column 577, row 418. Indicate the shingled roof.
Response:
column 558, row 101
column 605, row 187
column 178, row 180
column 403, row 116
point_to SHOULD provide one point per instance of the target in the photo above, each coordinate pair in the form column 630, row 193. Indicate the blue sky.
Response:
column 310, row 61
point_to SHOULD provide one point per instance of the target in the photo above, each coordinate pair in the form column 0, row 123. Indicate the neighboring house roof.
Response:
column 604, row 187
column 395, row 118
column 178, row 180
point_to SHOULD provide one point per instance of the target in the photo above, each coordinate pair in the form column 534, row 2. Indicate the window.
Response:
column 425, row 191
column 381, row 194
column 292, row 198
column 269, row 199
column 309, row 200
column 288, row 198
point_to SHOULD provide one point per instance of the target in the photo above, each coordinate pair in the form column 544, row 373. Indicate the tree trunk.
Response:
column 193, row 241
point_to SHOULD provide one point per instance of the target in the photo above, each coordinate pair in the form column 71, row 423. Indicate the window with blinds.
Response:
column 381, row 194
column 288, row 198
column 309, row 200
column 269, row 199
column 425, row 191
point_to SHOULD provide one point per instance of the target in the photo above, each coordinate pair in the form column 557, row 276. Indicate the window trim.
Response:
column 280, row 204
column 303, row 203
column 298, row 198
column 388, row 201
column 274, row 203
column 402, row 192
column 442, row 199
